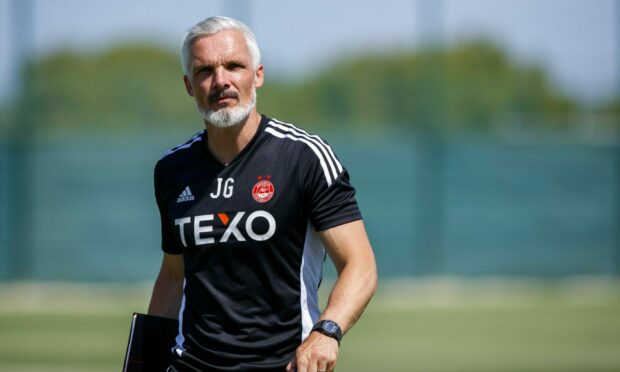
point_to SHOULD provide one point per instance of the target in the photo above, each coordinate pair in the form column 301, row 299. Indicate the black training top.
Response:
column 247, row 230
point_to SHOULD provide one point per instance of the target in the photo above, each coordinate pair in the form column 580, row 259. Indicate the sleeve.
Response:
column 327, row 194
column 169, row 243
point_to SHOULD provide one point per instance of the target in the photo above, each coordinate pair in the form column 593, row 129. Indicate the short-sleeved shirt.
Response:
column 248, row 234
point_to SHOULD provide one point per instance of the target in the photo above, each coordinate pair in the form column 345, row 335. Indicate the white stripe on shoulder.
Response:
column 312, row 146
column 195, row 138
column 320, row 146
column 318, row 139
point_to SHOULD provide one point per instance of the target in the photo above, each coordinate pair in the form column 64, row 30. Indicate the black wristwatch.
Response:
column 329, row 328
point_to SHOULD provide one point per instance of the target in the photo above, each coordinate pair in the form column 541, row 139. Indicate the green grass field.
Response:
column 406, row 328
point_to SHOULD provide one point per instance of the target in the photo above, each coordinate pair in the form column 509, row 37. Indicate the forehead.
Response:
column 222, row 46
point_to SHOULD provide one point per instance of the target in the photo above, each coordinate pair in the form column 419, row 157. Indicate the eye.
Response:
column 234, row 66
column 204, row 70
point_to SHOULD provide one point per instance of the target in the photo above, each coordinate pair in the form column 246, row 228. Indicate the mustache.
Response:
column 214, row 96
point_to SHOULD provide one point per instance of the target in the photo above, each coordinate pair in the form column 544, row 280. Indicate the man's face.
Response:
column 222, row 75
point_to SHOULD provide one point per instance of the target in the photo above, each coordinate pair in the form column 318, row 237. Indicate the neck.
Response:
column 226, row 143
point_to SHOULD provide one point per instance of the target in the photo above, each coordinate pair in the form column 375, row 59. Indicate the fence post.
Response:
column 429, row 191
column 21, row 133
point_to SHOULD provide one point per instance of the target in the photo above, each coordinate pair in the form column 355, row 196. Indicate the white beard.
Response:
column 228, row 117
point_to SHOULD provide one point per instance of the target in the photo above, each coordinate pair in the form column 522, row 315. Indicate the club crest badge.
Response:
column 263, row 190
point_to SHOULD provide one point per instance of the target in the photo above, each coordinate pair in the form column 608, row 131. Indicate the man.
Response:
column 249, row 207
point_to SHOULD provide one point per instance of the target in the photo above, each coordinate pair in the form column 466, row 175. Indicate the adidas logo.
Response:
column 186, row 195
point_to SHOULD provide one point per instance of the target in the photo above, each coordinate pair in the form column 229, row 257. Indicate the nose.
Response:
column 220, row 78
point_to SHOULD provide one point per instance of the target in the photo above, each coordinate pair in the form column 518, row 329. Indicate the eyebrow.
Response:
column 199, row 66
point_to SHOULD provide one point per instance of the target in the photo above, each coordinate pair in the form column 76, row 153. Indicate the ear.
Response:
column 260, row 76
column 188, row 86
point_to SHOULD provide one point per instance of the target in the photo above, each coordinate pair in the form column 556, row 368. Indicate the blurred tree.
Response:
column 468, row 86
column 610, row 106
column 609, row 115
column 131, row 86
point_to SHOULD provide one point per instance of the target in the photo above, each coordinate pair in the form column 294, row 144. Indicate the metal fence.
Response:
column 433, row 206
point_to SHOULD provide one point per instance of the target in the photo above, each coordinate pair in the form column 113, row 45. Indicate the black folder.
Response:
column 151, row 339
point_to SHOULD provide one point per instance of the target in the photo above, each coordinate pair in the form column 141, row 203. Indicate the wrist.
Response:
column 329, row 328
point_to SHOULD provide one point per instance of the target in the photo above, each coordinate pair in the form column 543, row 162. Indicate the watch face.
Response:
column 330, row 327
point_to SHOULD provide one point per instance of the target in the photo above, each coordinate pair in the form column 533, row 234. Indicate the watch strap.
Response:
column 328, row 328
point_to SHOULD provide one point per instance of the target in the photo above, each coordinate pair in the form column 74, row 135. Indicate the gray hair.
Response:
column 211, row 26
